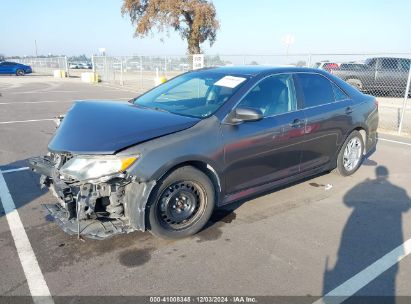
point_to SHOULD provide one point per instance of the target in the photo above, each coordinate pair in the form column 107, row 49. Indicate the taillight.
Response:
column 331, row 66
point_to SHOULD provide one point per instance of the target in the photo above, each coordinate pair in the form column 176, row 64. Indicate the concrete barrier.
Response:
column 90, row 77
column 59, row 74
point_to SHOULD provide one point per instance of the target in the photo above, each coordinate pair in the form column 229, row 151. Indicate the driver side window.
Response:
column 272, row 96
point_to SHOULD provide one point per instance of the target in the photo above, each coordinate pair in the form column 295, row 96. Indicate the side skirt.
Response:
column 250, row 192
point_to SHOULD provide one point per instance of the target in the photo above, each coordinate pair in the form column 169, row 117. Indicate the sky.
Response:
column 247, row 27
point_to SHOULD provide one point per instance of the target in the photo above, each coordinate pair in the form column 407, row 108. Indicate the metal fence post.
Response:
column 93, row 64
column 121, row 72
column 66, row 66
column 105, row 68
column 404, row 105
column 309, row 61
column 141, row 72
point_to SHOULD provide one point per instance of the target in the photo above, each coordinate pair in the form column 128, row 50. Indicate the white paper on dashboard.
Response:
column 229, row 81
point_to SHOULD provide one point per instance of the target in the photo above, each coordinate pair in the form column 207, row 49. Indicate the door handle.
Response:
column 297, row 123
column 349, row 110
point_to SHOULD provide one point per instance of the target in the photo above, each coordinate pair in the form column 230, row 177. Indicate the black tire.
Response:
column 20, row 72
column 181, row 204
column 356, row 83
column 342, row 158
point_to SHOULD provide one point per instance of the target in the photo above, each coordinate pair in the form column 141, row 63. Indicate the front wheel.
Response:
column 351, row 154
column 20, row 72
column 182, row 204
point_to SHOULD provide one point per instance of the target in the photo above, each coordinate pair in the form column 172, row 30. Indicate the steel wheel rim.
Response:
column 181, row 204
column 352, row 154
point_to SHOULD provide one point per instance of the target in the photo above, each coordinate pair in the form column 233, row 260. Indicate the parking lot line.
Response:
column 30, row 120
column 35, row 280
column 15, row 170
column 58, row 101
column 33, row 102
column 394, row 141
column 361, row 279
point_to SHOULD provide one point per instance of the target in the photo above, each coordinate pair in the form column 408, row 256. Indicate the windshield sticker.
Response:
column 229, row 81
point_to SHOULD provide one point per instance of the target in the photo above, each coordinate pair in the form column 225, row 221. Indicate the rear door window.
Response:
column 338, row 93
column 317, row 89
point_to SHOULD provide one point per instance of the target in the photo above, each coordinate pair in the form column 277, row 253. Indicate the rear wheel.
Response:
column 20, row 72
column 351, row 154
column 182, row 204
column 356, row 83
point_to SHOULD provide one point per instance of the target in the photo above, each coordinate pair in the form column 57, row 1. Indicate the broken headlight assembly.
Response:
column 92, row 167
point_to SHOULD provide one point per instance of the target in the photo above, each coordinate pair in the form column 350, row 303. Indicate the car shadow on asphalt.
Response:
column 373, row 229
column 227, row 214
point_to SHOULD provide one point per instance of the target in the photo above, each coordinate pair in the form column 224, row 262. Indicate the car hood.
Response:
column 106, row 127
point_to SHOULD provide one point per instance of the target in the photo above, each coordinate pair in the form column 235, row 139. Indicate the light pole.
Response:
column 288, row 40
column 35, row 46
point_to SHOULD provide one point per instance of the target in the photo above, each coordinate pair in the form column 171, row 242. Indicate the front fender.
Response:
column 136, row 198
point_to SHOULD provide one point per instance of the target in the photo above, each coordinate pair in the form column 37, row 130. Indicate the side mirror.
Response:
column 132, row 101
column 240, row 115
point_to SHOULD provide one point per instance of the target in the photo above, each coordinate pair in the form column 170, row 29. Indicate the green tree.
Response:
column 194, row 20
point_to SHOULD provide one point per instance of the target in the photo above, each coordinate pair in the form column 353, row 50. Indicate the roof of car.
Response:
column 254, row 70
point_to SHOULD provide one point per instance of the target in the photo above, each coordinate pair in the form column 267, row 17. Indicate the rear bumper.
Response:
column 371, row 144
column 94, row 209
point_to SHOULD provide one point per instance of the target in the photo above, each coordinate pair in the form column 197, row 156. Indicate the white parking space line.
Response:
column 15, row 170
column 361, row 279
column 41, row 92
column 120, row 88
column 23, row 121
column 394, row 141
column 34, row 102
column 58, row 101
column 35, row 280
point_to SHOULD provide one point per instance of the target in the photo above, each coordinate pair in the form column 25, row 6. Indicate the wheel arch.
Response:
column 201, row 165
column 364, row 135
column 208, row 168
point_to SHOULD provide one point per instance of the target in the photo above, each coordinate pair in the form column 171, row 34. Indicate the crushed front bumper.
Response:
column 92, row 228
column 97, row 209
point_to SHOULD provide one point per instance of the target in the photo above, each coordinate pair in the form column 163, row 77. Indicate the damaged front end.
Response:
column 97, row 197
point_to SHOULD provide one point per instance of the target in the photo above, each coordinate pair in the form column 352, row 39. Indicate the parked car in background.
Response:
column 73, row 65
column 326, row 65
column 8, row 67
column 80, row 65
column 352, row 66
column 387, row 75
column 85, row 65
column 164, row 160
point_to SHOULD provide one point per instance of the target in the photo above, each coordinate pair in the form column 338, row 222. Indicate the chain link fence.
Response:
column 44, row 66
column 382, row 75
column 139, row 71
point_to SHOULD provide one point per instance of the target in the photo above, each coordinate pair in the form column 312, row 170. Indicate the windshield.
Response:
column 196, row 94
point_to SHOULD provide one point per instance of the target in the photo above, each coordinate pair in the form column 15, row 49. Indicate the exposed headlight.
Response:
column 83, row 168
